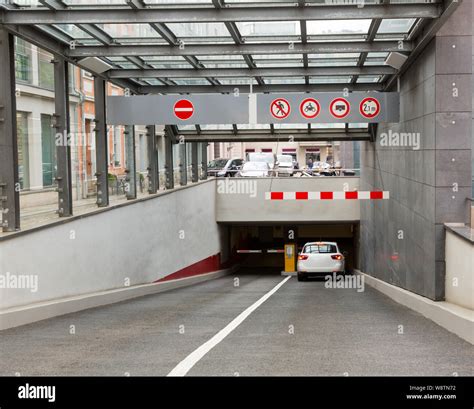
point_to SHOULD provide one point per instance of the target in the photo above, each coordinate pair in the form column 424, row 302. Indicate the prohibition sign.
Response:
column 183, row 109
column 340, row 108
column 369, row 107
column 280, row 108
column 310, row 108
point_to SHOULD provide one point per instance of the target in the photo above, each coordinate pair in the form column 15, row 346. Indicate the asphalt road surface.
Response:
column 265, row 325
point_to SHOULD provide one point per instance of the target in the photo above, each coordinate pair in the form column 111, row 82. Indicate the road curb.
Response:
column 17, row 316
column 456, row 319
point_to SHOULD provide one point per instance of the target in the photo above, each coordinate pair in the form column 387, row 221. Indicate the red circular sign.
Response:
column 280, row 108
column 340, row 108
column 310, row 108
column 183, row 109
column 369, row 107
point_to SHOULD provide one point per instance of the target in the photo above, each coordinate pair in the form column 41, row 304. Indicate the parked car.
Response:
column 267, row 157
column 318, row 258
column 224, row 167
column 285, row 165
column 255, row 169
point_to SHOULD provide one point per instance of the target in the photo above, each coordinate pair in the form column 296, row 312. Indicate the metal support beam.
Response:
column 62, row 126
column 250, row 72
column 169, row 170
column 183, row 166
column 115, row 15
column 194, row 162
column 238, row 49
column 152, row 151
column 131, row 171
column 101, row 153
column 212, row 89
column 203, row 160
column 9, row 182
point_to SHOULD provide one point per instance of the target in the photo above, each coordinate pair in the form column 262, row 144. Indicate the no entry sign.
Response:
column 310, row 108
column 183, row 109
column 340, row 108
column 369, row 107
column 280, row 108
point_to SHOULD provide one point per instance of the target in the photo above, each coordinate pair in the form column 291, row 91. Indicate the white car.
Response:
column 321, row 257
column 267, row 157
column 285, row 165
column 255, row 170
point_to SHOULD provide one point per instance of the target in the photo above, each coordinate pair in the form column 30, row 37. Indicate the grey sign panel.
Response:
column 168, row 109
column 328, row 107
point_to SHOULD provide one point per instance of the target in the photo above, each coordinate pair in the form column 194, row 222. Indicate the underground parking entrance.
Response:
column 274, row 248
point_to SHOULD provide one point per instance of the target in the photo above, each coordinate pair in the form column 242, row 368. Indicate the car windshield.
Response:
column 255, row 166
column 217, row 163
column 285, row 158
column 261, row 157
column 320, row 248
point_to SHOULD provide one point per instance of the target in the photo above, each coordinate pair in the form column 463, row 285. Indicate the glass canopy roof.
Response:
column 190, row 46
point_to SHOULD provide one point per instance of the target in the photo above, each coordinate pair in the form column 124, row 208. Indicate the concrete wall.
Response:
column 402, row 240
column 459, row 270
column 242, row 207
column 141, row 242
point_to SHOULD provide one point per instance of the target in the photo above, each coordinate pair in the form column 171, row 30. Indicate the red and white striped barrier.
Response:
column 355, row 195
column 248, row 251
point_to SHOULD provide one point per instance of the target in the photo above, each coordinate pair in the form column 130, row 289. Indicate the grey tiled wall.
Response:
column 402, row 239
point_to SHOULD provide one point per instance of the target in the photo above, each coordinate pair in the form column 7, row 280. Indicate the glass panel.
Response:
column 23, row 150
column 199, row 29
column 338, row 27
column 297, row 80
column 46, row 70
column 402, row 25
column 329, row 80
column 48, row 151
column 273, row 28
column 72, row 30
column 129, row 30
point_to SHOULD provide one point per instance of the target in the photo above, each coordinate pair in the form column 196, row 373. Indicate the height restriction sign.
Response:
column 280, row 108
column 310, row 108
column 369, row 107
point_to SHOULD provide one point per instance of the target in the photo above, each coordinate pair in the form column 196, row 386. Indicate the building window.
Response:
column 23, row 153
column 46, row 70
column 48, row 151
column 117, row 147
column 22, row 60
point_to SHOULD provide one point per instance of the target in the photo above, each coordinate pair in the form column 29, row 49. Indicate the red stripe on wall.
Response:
column 277, row 195
column 209, row 264
column 351, row 195
column 301, row 195
column 326, row 195
column 376, row 195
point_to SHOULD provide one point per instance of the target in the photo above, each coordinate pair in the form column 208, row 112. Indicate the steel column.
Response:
column 101, row 153
column 62, row 126
column 183, row 165
column 131, row 178
column 9, row 182
column 152, row 152
column 169, row 174
column 203, row 160
column 194, row 162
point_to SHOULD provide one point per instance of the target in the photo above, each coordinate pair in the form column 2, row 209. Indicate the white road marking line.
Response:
column 194, row 357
